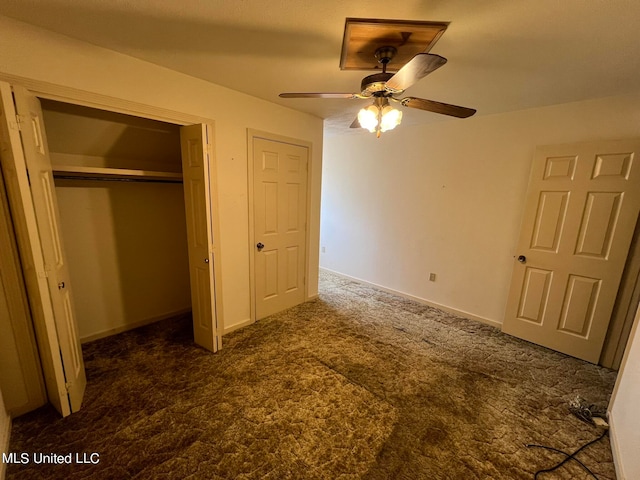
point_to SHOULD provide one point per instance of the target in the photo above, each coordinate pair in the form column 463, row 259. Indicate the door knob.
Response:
column 260, row 246
column 60, row 285
column 206, row 260
column 522, row 259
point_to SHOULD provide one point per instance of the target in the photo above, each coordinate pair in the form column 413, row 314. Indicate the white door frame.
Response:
column 75, row 96
column 624, row 309
column 251, row 134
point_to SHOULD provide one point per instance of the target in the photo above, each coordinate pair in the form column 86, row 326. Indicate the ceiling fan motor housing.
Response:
column 375, row 83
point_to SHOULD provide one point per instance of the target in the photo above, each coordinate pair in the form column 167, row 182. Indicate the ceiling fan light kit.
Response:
column 379, row 117
column 369, row 40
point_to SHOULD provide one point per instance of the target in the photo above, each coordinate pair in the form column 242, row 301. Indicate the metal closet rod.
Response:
column 116, row 179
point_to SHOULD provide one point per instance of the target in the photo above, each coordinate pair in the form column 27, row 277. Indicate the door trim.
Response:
column 52, row 91
column 251, row 135
column 624, row 309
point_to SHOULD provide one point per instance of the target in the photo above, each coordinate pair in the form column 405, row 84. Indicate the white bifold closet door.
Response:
column 30, row 178
column 28, row 174
column 196, row 176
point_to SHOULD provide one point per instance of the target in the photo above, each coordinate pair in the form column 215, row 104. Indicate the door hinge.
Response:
column 17, row 125
column 67, row 386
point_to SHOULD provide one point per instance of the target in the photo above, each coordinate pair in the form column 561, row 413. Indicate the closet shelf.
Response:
column 114, row 173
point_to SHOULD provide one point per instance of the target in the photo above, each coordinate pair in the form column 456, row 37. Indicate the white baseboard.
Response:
column 237, row 326
column 4, row 446
column 615, row 449
column 131, row 326
column 423, row 301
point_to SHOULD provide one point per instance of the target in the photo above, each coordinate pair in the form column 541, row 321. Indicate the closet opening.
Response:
column 118, row 183
column 116, row 227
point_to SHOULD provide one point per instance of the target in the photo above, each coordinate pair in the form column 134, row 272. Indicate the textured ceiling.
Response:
column 503, row 55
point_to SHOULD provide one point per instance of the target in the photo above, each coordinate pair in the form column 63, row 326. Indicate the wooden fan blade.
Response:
column 437, row 107
column 318, row 95
column 355, row 124
column 418, row 67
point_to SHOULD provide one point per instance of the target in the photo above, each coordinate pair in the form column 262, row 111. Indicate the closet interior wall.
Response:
column 124, row 235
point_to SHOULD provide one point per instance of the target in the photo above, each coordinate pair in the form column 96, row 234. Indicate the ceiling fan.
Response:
column 383, row 88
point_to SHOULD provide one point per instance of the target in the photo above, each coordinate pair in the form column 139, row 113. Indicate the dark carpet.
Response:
column 358, row 384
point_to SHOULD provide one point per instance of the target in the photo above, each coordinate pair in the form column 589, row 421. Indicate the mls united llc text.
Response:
column 26, row 458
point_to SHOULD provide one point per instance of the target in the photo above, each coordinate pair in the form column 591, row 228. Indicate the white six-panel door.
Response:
column 581, row 209
column 280, row 214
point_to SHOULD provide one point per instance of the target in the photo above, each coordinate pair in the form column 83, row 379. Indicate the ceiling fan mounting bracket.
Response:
column 364, row 36
column 385, row 54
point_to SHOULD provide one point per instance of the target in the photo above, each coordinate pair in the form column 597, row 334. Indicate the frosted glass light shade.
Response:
column 368, row 118
column 379, row 117
column 391, row 118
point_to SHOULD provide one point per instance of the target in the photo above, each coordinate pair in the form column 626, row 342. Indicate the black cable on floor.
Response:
column 569, row 456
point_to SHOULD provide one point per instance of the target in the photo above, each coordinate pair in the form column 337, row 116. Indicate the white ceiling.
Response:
column 503, row 55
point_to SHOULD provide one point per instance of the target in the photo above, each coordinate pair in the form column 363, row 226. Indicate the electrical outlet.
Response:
column 432, row 277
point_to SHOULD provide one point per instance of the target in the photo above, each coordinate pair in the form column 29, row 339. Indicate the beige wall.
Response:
column 447, row 198
column 126, row 246
column 623, row 411
column 31, row 52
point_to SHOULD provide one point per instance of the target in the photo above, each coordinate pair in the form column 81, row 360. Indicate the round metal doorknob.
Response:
column 60, row 285
column 260, row 246
column 522, row 259
column 206, row 260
